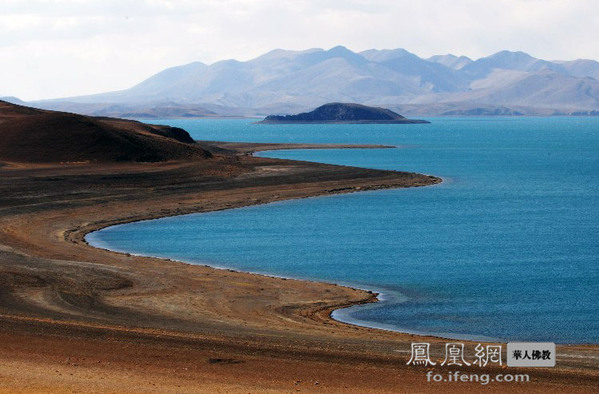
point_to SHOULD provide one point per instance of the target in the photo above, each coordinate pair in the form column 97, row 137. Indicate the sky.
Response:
column 62, row 48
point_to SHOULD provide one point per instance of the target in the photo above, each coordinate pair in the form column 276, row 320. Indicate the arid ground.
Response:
column 74, row 318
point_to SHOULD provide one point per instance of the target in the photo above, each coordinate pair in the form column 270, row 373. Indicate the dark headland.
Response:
column 39, row 136
column 344, row 113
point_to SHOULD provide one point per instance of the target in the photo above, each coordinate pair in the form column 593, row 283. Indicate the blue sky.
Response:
column 59, row 48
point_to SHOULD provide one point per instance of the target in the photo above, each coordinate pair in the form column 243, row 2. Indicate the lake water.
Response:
column 506, row 248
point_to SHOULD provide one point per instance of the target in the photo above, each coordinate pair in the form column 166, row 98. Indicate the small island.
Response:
column 349, row 113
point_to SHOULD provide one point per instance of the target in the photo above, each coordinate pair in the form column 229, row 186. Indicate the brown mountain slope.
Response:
column 39, row 136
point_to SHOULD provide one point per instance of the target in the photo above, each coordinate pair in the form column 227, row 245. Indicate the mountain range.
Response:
column 286, row 82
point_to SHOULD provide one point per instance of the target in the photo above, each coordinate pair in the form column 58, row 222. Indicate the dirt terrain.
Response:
column 77, row 318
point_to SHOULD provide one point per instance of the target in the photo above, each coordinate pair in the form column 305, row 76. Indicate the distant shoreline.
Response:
column 408, row 121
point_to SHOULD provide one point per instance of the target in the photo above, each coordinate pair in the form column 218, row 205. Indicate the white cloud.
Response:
column 57, row 48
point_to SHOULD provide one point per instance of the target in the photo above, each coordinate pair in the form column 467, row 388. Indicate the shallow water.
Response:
column 506, row 248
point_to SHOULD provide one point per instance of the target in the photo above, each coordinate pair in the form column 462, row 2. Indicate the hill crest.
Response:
column 41, row 136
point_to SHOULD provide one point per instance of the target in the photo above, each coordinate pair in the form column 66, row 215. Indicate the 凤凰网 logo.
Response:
column 519, row 354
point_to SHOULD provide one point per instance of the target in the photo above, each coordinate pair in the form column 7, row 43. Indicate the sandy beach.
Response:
column 77, row 318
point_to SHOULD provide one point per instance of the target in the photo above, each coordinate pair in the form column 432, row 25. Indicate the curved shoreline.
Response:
column 338, row 313
column 80, row 234
column 377, row 294
column 251, row 149
column 141, row 325
column 374, row 295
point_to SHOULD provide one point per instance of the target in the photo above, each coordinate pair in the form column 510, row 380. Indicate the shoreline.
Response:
column 378, row 294
column 110, row 313
column 252, row 148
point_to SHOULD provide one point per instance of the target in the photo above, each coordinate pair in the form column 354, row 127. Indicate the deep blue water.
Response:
column 506, row 248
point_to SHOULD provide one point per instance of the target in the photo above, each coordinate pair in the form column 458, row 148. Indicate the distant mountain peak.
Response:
column 451, row 61
column 339, row 49
column 508, row 52
column 12, row 100
column 512, row 56
column 382, row 55
column 343, row 52
column 510, row 60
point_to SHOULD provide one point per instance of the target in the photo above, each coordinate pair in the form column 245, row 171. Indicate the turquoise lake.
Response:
column 506, row 248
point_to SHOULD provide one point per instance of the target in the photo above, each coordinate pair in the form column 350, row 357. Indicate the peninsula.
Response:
column 345, row 113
